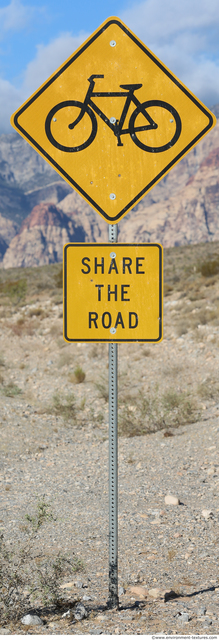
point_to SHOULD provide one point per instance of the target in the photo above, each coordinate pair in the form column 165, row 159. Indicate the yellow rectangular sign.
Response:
column 113, row 293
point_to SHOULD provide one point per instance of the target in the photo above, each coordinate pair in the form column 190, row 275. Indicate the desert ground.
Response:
column 54, row 461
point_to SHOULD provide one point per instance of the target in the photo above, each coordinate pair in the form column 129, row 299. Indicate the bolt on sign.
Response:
column 113, row 293
column 113, row 120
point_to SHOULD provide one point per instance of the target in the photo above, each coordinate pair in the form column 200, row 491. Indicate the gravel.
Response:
column 171, row 548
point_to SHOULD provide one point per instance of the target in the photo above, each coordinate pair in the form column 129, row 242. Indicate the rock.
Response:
column 67, row 585
column 142, row 592
column 4, row 631
column 184, row 617
column 155, row 521
column 87, row 597
column 32, row 620
column 207, row 622
column 211, row 471
column 78, row 584
column 155, row 593
column 121, row 591
column 80, row 612
column 171, row 500
column 67, row 614
column 202, row 611
column 41, row 237
column 207, row 513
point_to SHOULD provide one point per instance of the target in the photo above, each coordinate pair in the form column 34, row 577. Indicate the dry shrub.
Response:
column 25, row 576
column 64, row 406
column 154, row 412
column 171, row 554
column 103, row 390
column 2, row 361
column 24, row 326
column 59, row 278
column 179, row 408
column 182, row 327
column 38, row 312
column 79, row 375
column 209, row 389
column 146, row 352
column 11, row 390
column 56, row 329
column 167, row 289
column 210, row 268
column 203, row 317
column 15, row 290
column 65, row 358
column 94, row 352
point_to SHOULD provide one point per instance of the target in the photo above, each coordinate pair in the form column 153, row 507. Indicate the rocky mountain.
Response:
column 25, row 179
column 41, row 237
column 39, row 211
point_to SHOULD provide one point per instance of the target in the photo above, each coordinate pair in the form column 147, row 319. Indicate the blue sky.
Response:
column 37, row 36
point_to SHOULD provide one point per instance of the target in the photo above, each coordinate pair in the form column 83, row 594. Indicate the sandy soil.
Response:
column 54, row 447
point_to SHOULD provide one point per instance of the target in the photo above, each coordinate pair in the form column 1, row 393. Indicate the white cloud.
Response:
column 14, row 17
column 184, row 35
column 10, row 99
column 49, row 58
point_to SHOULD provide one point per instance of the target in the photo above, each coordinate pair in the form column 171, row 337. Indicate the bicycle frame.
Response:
column 116, row 127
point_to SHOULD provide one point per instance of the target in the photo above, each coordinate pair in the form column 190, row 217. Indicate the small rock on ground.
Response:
column 31, row 620
column 202, row 611
column 207, row 513
column 171, row 500
column 155, row 593
column 80, row 612
column 142, row 592
column 184, row 617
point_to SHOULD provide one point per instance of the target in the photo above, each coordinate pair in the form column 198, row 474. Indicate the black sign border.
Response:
column 122, row 244
column 64, row 173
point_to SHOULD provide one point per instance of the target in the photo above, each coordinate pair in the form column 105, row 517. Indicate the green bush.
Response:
column 210, row 268
column 14, row 289
column 79, row 375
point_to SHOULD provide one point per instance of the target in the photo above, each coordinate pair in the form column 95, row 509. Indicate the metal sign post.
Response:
column 113, row 600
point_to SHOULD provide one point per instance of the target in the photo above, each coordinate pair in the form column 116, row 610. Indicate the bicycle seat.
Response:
column 131, row 86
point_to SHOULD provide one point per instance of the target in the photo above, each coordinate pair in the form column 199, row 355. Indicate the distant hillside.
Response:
column 182, row 209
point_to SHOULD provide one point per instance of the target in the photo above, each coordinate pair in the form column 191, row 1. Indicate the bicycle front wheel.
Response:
column 83, row 127
column 162, row 134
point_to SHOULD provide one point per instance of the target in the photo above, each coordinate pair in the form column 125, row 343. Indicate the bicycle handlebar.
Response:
column 95, row 76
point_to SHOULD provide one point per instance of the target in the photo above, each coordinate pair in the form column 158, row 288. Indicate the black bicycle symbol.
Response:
column 89, row 107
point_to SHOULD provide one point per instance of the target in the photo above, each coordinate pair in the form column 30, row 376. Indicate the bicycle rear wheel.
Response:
column 134, row 129
column 55, row 111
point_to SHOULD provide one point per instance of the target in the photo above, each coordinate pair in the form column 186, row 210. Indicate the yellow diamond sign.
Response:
column 113, row 120
column 112, row 293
